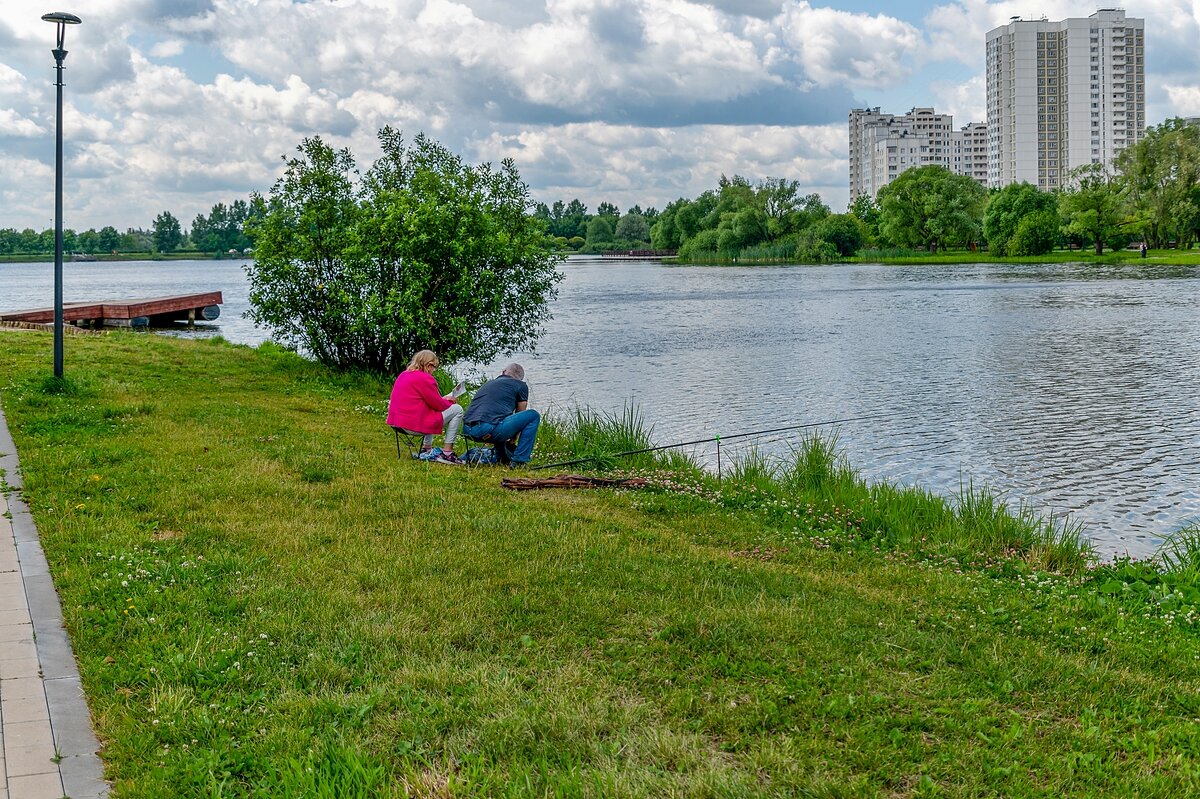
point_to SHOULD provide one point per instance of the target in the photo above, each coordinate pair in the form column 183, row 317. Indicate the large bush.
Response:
column 424, row 251
column 1026, row 208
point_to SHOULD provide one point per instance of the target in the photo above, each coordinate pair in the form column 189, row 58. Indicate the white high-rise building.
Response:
column 969, row 152
column 884, row 145
column 1062, row 94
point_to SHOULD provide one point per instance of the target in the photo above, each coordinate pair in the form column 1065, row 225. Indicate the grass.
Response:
column 265, row 601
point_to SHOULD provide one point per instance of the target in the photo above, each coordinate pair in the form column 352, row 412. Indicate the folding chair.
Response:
column 411, row 440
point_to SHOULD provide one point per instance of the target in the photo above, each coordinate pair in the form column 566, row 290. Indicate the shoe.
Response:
column 430, row 454
column 449, row 457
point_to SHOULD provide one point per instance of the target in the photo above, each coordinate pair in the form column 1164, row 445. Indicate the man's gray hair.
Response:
column 514, row 370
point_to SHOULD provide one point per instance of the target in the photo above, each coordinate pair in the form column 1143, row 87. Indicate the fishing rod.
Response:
column 717, row 439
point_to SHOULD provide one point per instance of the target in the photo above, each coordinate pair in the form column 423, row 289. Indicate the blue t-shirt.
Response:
column 496, row 400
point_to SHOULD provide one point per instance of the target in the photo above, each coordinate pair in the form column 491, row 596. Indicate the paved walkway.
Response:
column 47, row 747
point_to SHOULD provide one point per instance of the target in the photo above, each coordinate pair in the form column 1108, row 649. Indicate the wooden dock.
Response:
column 157, row 311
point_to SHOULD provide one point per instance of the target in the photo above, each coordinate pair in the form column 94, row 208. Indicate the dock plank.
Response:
column 119, row 309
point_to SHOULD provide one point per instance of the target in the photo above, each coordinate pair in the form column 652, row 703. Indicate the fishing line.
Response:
column 717, row 439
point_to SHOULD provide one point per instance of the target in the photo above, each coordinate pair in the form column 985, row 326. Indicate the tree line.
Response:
column 221, row 230
column 1151, row 194
column 574, row 228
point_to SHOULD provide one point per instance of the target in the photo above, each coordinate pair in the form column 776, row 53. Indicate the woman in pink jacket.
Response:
column 418, row 408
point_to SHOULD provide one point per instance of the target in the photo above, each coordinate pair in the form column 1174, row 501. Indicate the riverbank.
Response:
column 964, row 257
column 124, row 256
column 263, row 599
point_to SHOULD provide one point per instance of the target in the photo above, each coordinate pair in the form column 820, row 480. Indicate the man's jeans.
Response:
column 521, row 426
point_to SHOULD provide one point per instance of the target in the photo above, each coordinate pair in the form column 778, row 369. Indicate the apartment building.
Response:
column 969, row 152
column 884, row 145
column 1062, row 94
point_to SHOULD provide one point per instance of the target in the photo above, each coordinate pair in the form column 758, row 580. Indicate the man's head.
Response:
column 515, row 371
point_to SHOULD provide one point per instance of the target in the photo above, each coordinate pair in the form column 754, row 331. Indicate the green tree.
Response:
column 424, row 251
column 108, row 240
column 864, row 209
column 1093, row 204
column 1007, row 208
column 1161, row 172
column 608, row 209
column 633, row 227
column 167, row 232
column 600, row 230
column 1037, row 233
column 929, row 206
column 845, row 232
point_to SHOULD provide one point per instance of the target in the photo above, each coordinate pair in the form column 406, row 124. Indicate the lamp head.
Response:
column 62, row 17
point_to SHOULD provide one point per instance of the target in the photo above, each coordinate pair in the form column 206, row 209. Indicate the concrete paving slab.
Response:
column 20, row 667
column 30, row 687
column 73, row 734
column 10, row 633
column 82, row 778
column 39, row 786
column 27, row 733
column 14, row 616
column 18, row 650
column 33, row 562
column 22, row 761
column 16, row 711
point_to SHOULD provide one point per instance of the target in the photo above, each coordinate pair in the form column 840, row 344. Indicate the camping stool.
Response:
column 486, row 442
column 411, row 440
column 497, row 446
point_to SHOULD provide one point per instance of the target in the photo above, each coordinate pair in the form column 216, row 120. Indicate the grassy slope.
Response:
column 264, row 601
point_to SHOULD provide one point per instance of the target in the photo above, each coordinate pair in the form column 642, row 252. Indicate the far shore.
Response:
column 124, row 256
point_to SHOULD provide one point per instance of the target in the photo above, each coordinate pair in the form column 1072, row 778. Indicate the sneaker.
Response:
column 449, row 457
column 429, row 454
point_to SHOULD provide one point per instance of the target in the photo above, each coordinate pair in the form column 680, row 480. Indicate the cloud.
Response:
column 838, row 47
column 629, row 165
column 14, row 125
column 967, row 101
column 167, row 49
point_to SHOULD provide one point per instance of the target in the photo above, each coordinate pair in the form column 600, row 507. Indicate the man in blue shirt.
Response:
column 500, row 413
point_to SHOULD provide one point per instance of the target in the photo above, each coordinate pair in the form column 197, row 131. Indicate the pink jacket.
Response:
column 416, row 403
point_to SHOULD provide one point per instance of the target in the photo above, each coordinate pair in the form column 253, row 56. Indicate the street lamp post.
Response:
column 62, row 20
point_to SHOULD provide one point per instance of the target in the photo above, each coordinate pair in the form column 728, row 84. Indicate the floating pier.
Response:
column 156, row 311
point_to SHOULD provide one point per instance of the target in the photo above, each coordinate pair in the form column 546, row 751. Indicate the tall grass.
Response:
column 975, row 524
column 1180, row 554
column 599, row 436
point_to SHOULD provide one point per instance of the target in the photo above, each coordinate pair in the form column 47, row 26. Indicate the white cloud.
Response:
column 167, row 49
column 1184, row 99
column 13, row 124
column 626, row 165
column 967, row 101
column 857, row 49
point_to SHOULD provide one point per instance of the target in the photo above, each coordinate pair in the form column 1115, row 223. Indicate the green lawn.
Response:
column 265, row 601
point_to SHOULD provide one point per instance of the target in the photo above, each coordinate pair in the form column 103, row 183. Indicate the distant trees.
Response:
column 1021, row 219
column 167, row 233
column 223, row 229
column 1161, row 174
column 931, row 207
column 1093, row 205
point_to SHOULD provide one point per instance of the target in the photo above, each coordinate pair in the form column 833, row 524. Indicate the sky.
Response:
column 174, row 105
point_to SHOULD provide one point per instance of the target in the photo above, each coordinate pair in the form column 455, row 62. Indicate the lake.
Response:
column 1070, row 386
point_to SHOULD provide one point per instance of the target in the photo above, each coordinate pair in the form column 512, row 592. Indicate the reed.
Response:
column 1180, row 554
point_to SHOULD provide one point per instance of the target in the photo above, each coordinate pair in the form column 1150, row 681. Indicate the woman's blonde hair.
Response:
column 421, row 360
